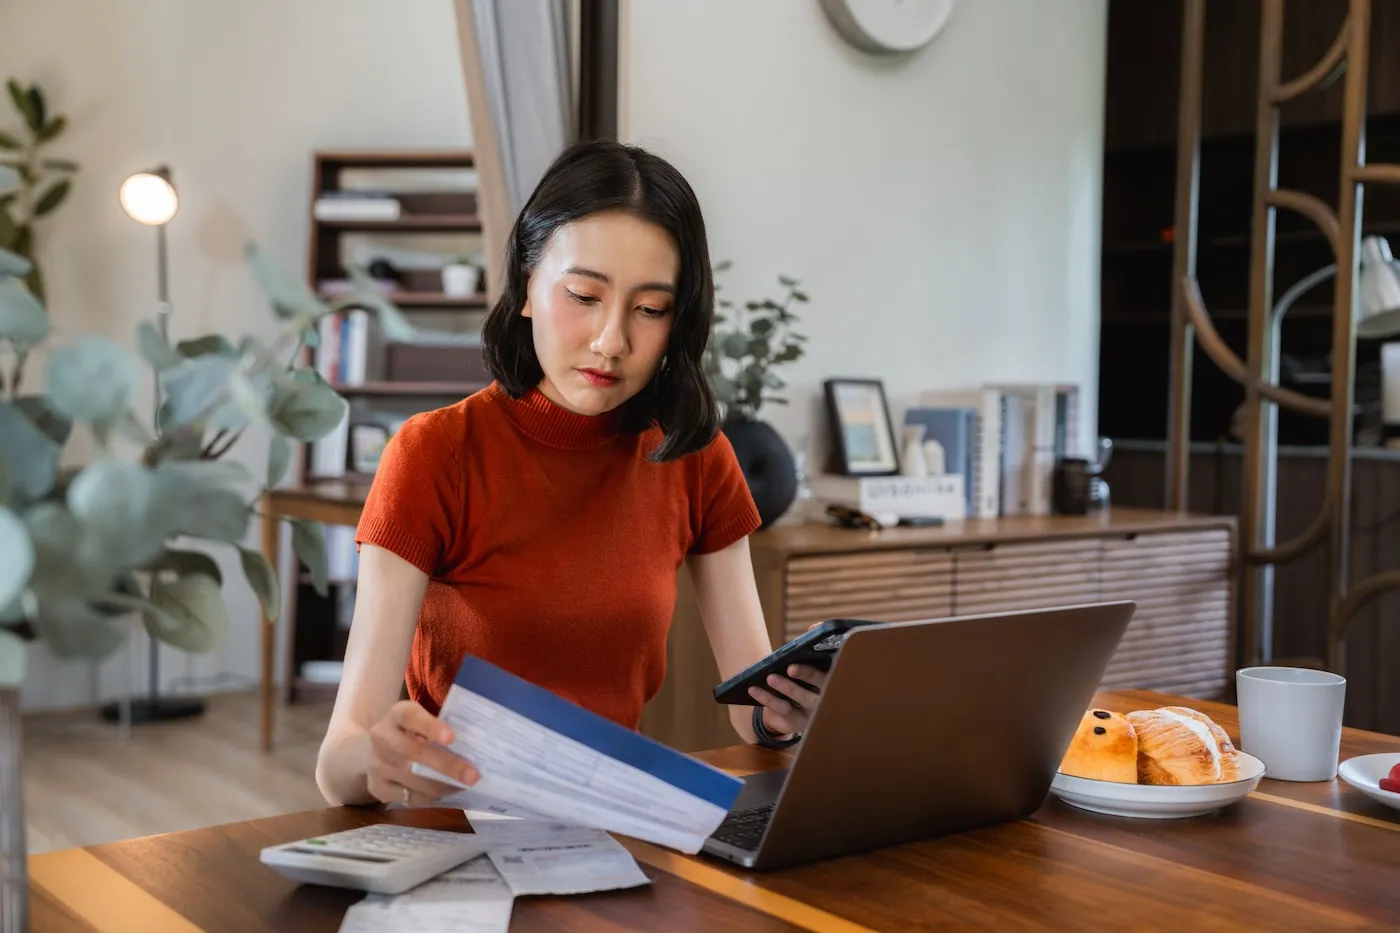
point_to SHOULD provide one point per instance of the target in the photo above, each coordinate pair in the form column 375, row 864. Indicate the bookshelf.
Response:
column 402, row 215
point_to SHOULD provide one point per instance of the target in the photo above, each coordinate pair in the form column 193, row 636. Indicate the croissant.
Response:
column 1177, row 745
column 1229, row 755
column 1104, row 748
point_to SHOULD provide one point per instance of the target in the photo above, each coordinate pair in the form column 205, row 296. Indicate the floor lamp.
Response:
column 149, row 198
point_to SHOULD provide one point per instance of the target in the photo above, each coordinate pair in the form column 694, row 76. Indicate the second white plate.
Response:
column 1157, row 801
column 1364, row 772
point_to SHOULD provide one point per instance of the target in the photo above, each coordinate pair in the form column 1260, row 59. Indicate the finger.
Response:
column 413, row 748
column 421, row 789
column 808, row 674
column 413, row 718
column 780, row 715
column 799, row 695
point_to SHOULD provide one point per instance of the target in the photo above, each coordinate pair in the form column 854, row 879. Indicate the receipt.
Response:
column 471, row 898
column 537, row 751
column 537, row 857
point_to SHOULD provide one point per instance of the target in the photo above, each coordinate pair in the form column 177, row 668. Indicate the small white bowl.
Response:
column 1157, row 801
column 1364, row 772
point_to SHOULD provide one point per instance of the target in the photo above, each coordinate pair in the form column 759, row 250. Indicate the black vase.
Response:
column 768, row 465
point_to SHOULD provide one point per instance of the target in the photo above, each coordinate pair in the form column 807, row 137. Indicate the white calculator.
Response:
column 382, row 859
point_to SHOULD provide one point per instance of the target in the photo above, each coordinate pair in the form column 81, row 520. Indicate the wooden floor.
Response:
column 84, row 784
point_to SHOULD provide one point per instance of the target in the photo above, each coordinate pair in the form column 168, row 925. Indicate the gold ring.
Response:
column 406, row 795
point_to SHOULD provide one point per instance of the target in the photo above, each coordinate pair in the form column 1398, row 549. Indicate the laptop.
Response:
column 927, row 728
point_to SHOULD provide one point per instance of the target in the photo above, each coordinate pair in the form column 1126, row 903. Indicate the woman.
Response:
column 540, row 523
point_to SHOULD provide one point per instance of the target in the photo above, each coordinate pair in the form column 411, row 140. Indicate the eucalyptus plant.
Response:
column 44, row 179
column 131, row 533
column 742, row 352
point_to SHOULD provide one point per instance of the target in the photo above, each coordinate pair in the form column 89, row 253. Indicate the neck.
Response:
column 551, row 423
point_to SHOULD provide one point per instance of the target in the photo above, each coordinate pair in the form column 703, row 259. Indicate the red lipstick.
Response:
column 600, row 379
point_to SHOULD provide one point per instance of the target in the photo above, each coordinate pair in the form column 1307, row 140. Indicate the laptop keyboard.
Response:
column 744, row 828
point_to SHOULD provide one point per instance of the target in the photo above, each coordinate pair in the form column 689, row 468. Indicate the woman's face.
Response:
column 602, row 302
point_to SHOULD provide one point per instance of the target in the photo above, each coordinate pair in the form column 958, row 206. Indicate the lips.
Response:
column 596, row 377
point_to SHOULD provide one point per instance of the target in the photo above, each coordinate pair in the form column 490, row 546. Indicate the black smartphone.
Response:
column 815, row 647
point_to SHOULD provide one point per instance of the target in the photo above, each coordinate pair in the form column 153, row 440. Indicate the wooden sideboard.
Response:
column 1178, row 568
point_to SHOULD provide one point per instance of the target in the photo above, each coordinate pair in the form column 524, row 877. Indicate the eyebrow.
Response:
column 603, row 277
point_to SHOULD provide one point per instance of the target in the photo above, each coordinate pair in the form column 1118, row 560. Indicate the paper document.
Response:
column 538, row 751
column 555, row 858
column 471, row 898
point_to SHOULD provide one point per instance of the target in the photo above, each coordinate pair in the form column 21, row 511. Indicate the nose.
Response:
column 611, row 339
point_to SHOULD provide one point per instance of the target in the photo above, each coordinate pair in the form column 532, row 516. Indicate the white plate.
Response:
column 1157, row 801
column 1364, row 772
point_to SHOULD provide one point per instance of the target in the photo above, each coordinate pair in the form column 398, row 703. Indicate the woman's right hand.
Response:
column 408, row 734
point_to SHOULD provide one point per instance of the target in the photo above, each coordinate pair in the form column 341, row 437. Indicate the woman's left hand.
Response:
column 788, row 706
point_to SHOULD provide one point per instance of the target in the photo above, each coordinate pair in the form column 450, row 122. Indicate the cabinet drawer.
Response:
column 1031, row 575
column 1179, row 638
column 883, row 586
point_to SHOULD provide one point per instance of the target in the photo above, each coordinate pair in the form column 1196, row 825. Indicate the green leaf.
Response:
column 12, row 655
column 309, row 543
column 31, row 456
column 192, row 386
column 263, row 579
column 758, row 347
column 303, row 409
column 53, row 423
column 735, row 346
column 52, row 198
column 21, row 100
column 279, row 457
column 155, row 348
column 9, row 178
column 290, row 296
column 14, row 264
column 761, row 327
column 9, row 142
column 52, row 129
column 788, row 353
column 121, row 511
column 213, row 344
column 396, row 327
column 60, row 165
column 800, row 296
column 183, row 563
column 722, row 266
column 22, row 317
column 16, row 556
column 92, row 380
column 786, row 282
column 75, row 630
column 188, row 613
column 38, row 113
column 196, row 500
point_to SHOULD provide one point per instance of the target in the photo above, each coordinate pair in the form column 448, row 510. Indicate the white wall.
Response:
column 943, row 211
column 235, row 96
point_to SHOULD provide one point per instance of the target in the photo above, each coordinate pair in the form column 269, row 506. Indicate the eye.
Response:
column 581, row 299
column 654, row 312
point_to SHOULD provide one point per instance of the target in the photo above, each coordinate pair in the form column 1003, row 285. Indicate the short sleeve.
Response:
column 416, row 498
column 726, row 508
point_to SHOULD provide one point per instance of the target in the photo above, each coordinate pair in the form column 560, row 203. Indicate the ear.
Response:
column 525, row 311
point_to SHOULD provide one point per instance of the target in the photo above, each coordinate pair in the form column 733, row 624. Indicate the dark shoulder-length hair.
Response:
column 605, row 175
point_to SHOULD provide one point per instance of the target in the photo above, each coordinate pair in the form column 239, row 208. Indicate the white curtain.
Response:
column 518, row 63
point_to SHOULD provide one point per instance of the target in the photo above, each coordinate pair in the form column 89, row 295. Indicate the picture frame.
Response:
column 862, row 433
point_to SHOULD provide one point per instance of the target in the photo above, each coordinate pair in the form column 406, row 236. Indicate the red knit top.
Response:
column 551, row 543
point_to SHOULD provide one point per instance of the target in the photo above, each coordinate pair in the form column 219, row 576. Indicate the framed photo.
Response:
column 367, row 442
column 861, row 431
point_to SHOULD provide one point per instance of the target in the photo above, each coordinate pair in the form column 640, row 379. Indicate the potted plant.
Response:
column 740, row 359
column 126, row 539
column 44, row 180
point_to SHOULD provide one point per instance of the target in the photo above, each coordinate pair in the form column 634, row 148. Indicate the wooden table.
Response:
column 1290, row 857
column 331, row 502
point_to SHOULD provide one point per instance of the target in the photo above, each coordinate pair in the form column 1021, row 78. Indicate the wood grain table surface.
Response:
column 1304, row 857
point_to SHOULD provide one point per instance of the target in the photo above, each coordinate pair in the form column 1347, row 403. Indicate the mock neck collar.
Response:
column 553, row 424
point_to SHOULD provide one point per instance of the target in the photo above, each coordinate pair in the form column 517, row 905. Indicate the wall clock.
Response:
column 888, row 26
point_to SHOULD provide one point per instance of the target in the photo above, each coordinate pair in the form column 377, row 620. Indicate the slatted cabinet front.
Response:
column 1178, row 641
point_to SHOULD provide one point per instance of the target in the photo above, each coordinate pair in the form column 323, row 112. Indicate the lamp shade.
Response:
column 1378, row 290
column 149, row 198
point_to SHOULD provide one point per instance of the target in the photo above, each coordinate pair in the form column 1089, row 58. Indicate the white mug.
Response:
column 1291, row 719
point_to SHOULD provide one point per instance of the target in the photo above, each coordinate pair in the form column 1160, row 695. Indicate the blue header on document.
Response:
column 598, row 733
